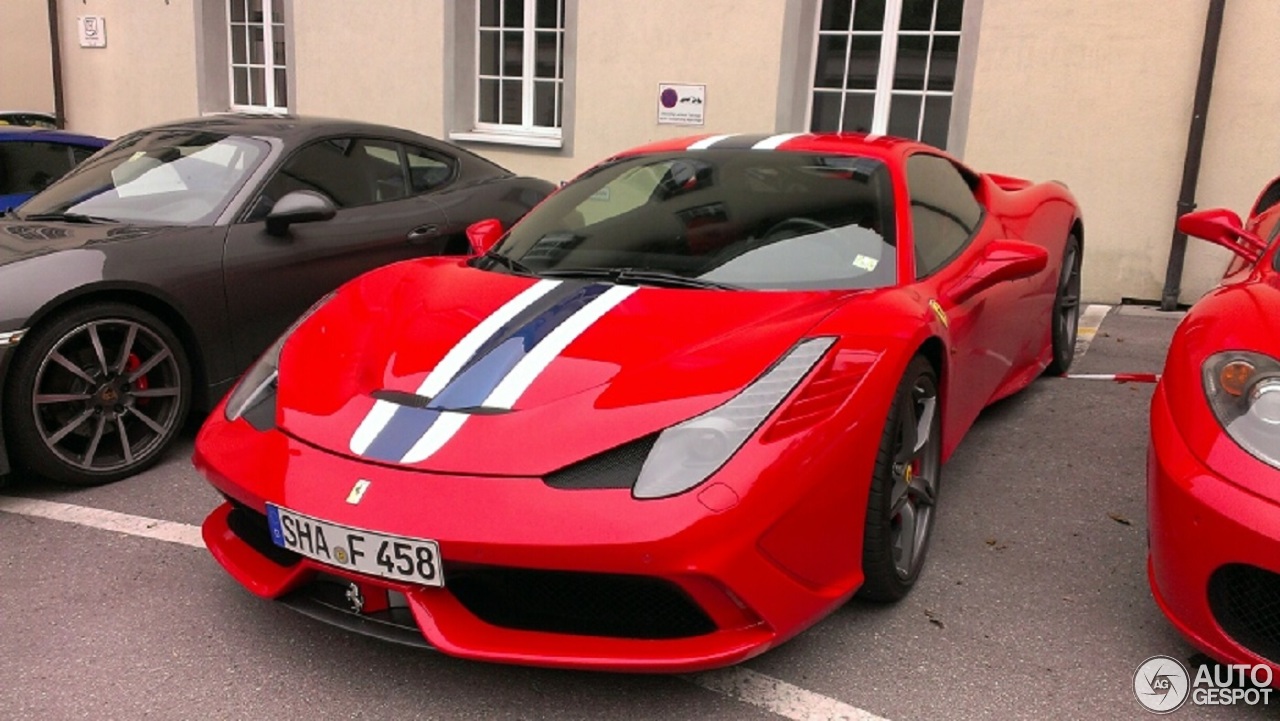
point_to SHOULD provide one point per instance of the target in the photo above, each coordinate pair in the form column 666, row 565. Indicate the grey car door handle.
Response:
column 423, row 233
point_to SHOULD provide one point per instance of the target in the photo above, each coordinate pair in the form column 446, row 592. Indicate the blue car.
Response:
column 32, row 158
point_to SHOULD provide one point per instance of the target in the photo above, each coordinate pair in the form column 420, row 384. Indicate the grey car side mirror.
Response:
column 299, row 206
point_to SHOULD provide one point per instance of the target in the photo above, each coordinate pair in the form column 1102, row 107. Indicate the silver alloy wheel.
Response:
column 917, row 461
column 1067, row 313
column 107, row 395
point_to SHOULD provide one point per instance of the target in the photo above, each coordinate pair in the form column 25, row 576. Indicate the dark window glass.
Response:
column 916, row 15
column 937, row 119
column 913, row 53
column 835, row 14
column 31, row 167
column 904, row 115
column 950, row 12
column 428, row 170
column 942, row 65
column 944, row 213
column 858, row 110
column 742, row 217
column 80, row 154
column 864, row 62
column 351, row 172
column 826, row 112
column 868, row 15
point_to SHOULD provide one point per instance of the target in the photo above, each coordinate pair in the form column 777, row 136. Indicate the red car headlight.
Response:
column 687, row 453
column 1243, row 388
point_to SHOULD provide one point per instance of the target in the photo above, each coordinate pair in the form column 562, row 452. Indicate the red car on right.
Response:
column 1213, row 467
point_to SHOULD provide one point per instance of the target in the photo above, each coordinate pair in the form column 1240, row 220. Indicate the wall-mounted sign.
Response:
column 93, row 31
column 681, row 104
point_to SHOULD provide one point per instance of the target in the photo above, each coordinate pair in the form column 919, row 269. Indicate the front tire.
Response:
column 97, row 393
column 1066, row 309
column 904, row 487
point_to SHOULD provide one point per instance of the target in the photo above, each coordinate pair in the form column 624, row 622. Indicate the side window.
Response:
column 350, row 171
column 31, row 167
column 944, row 213
column 428, row 170
column 80, row 153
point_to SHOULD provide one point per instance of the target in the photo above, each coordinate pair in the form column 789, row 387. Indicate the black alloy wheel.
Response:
column 1066, row 309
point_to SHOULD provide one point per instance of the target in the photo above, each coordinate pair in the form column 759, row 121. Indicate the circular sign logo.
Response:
column 669, row 98
column 1161, row 684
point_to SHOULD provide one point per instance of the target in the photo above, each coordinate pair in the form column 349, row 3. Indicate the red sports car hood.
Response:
column 446, row 368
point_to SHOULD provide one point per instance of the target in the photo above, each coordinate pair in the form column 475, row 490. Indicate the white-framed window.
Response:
column 258, row 55
column 520, row 67
column 886, row 67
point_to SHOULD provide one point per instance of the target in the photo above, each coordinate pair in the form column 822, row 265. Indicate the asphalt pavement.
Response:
column 1034, row 603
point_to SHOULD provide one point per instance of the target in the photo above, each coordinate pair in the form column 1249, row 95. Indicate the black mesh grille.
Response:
column 584, row 604
column 251, row 527
column 1245, row 600
column 615, row 468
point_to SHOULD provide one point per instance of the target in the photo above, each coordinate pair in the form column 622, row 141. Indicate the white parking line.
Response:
column 1087, row 327
column 739, row 684
column 778, row 697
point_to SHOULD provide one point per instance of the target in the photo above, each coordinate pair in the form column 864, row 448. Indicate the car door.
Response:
column 949, row 231
column 380, row 219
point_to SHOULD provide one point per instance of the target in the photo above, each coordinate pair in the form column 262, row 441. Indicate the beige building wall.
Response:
column 27, row 80
column 388, row 71
column 145, row 75
column 624, row 54
column 1099, row 95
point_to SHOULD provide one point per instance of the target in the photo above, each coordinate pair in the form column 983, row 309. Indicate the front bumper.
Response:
column 1214, row 560
column 510, row 544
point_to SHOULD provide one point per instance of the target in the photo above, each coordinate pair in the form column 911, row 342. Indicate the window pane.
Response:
column 512, row 54
column 513, row 13
column 237, row 11
column 489, row 52
column 381, row 165
column 512, row 102
column 255, row 45
column 950, row 13
column 560, row 105
column 835, row 14
column 255, row 11
column 278, row 43
column 908, row 73
column 277, row 14
column 548, row 13
column 942, row 68
column 326, row 167
column 239, row 41
column 859, row 108
column 544, row 103
column 257, row 87
column 864, row 62
column 937, row 118
column 545, row 55
column 427, row 170
column 826, row 112
column 488, row 101
column 240, row 86
column 904, row 116
column 282, row 89
column 916, row 15
column 31, row 166
column 869, row 15
column 829, row 70
column 489, row 13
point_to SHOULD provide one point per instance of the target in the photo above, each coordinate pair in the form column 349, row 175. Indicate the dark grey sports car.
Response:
column 141, row 284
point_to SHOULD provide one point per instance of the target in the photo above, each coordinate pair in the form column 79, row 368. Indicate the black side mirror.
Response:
column 299, row 206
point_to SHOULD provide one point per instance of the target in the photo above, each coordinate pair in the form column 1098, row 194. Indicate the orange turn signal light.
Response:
column 1235, row 376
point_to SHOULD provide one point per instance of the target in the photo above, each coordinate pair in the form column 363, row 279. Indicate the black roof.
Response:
column 290, row 128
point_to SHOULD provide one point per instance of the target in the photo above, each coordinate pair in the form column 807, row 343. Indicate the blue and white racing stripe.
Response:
column 490, row 368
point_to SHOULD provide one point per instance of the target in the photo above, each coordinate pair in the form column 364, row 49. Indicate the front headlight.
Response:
column 254, row 397
column 688, row 453
column 1244, row 392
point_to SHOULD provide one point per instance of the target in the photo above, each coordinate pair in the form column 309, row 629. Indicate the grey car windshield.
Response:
column 742, row 218
column 171, row 177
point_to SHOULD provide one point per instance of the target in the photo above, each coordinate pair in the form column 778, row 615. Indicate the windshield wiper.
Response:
column 511, row 264
column 70, row 218
column 638, row 276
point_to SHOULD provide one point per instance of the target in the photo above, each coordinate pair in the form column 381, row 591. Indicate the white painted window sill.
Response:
column 528, row 141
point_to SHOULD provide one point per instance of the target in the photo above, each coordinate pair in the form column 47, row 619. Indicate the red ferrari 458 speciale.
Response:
column 1213, row 469
column 687, row 406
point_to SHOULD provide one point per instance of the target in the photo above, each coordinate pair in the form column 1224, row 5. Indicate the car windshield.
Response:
column 168, row 177
column 730, row 218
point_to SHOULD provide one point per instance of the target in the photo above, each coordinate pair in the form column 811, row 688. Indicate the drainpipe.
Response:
column 1195, row 145
column 55, row 44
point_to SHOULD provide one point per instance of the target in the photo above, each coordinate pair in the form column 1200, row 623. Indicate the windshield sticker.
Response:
column 865, row 262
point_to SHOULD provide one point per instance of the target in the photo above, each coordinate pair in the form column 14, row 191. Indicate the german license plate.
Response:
column 414, row 560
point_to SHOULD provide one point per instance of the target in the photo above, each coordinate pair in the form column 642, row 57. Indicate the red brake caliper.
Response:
column 133, row 364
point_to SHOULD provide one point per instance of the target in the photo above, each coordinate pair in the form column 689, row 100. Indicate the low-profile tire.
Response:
column 1066, row 309
column 96, row 394
column 904, row 487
